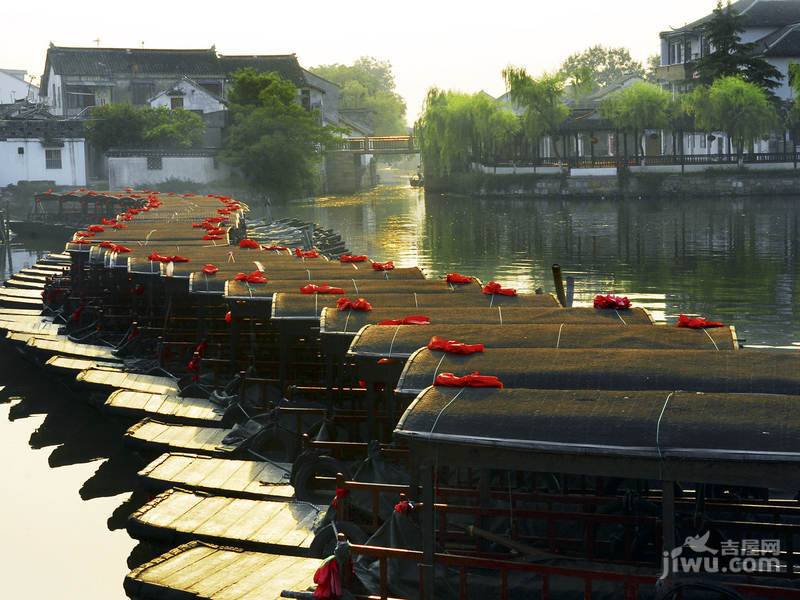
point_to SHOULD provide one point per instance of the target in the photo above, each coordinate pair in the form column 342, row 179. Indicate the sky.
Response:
column 450, row 44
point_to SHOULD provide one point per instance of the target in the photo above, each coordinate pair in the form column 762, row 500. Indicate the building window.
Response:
column 154, row 163
column 20, row 150
column 52, row 158
column 176, row 102
column 141, row 92
column 305, row 99
column 215, row 87
column 80, row 96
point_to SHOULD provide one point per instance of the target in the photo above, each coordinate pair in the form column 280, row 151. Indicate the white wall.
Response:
column 31, row 166
column 53, row 94
column 13, row 88
column 193, row 99
column 132, row 171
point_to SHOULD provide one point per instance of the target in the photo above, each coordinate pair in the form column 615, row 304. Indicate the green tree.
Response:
column 731, row 57
column 541, row 100
column 636, row 108
column 369, row 84
column 457, row 129
column 739, row 108
column 598, row 66
column 272, row 140
column 126, row 126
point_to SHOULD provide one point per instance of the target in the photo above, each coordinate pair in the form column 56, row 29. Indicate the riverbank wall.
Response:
column 629, row 183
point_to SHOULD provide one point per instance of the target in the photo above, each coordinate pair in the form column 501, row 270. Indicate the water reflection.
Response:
column 733, row 259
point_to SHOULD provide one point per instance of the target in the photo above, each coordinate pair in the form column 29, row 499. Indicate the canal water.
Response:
column 67, row 478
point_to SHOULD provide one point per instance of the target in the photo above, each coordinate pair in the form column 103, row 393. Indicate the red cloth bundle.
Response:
column 360, row 304
column 409, row 320
column 210, row 269
column 96, row 228
column 83, row 234
column 138, row 289
column 119, row 249
column 200, row 225
column 611, row 302
column 201, row 348
column 254, row 277
column 105, row 221
column 155, row 257
column 217, row 231
column 81, row 241
column 228, row 317
column 495, row 288
column 118, row 226
column 697, row 322
column 329, row 583
column 349, row 258
column 223, row 211
column 106, row 244
column 340, row 493
column 300, row 253
column 453, row 347
column 386, row 266
column 249, row 244
column 474, row 379
column 313, row 288
column 403, row 507
column 215, row 219
column 458, row 278
column 212, row 238
column 274, row 248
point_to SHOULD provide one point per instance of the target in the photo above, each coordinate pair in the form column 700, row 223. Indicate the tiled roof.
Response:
column 105, row 62
column 784, row 42
column 757, row 13
column 44, row 129
column 285, row 65
column 109, row 62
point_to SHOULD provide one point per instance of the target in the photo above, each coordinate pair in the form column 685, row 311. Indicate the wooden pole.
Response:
column 559, row 283
column 428, row 534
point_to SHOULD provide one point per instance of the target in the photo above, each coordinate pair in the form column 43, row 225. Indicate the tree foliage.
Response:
column 638, row 107
column 126, row 126
column 456, row 129
column 739, row 108
column 731, row 57
column 369, row 84
column 598, row 66
column 541, row 100
column 274, row 141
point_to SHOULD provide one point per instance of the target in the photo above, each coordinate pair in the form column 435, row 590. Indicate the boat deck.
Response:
column 179, row 438
column 225, row 476
column 169, row 407
column 177, row 516
column 200, row 571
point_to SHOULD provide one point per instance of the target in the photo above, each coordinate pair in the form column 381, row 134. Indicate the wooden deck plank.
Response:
column 176, row 562
column 297, row 573
column 220, row 471
column 186, row 578
column 232, row 512
column 166, row 508
column 62, row 345
column 258, row 578
column 244, row 563
column 283, row 520
column 167, row 466
column 208, row 508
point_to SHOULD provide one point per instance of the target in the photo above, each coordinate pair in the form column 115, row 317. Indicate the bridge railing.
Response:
column 389, row 143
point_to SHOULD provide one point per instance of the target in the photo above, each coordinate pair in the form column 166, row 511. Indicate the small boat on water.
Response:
column 417, row 180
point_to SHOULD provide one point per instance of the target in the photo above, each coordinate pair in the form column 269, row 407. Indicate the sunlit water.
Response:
column 66, row 471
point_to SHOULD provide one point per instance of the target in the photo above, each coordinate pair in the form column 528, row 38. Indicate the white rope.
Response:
column 444, row 408
column 620, row 317
column 347, row 320
column 436, row 370
column 259, row 266
column 308, row 272
column 500, row 313
column 391, row 345
column 316, row 305
column 416, row 304
column 711, row 338
column 491, row 302
column 355, row 286
column 658, row 425
column 558, row 341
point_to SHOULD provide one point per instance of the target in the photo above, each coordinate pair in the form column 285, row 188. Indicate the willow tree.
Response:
column 457, row 129
column 740, row 109
column 636, row 108
column 541, row 100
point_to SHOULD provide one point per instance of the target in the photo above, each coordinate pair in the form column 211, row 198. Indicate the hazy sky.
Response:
column 462, row 45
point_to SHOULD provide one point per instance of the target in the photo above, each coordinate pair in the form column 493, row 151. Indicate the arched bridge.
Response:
column 390, row 144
